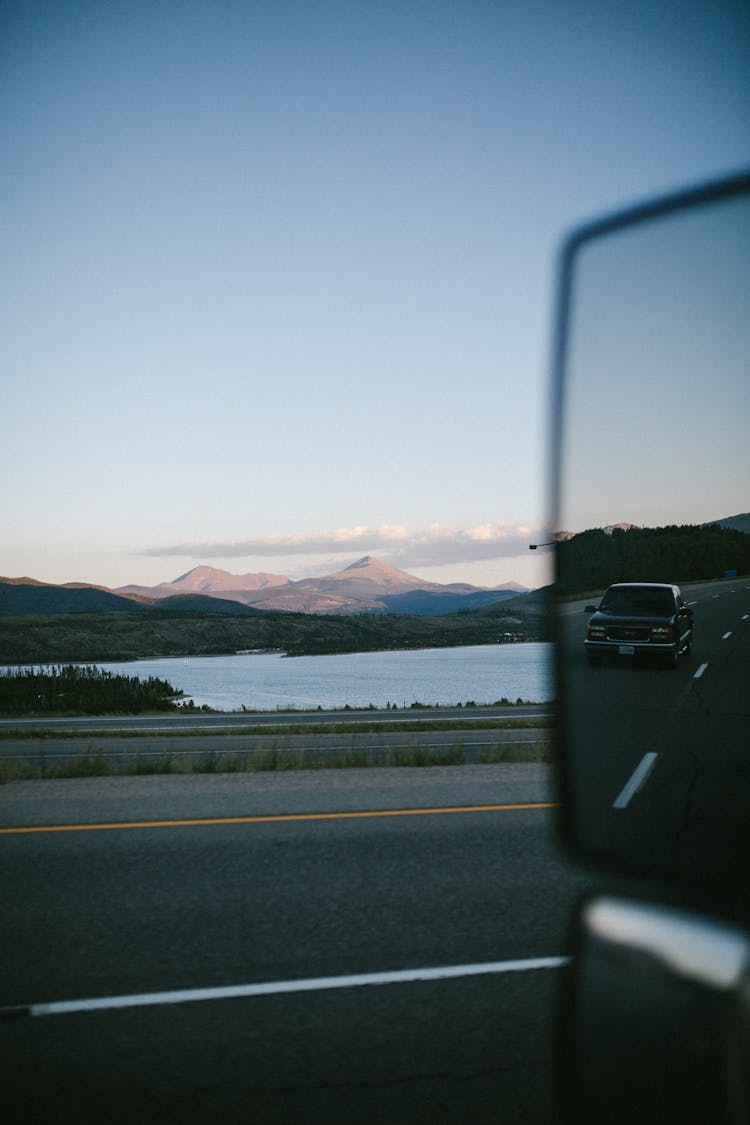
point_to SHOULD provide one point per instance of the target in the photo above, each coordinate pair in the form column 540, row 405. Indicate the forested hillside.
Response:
column 126, row 636
column 594, row 559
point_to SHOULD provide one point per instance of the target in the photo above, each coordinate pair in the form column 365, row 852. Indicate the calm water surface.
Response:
column 270, row 681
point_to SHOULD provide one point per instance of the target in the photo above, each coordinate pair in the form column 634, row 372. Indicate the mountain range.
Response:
column 366, row 586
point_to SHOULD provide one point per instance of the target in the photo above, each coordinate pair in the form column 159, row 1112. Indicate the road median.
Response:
column 32, row 754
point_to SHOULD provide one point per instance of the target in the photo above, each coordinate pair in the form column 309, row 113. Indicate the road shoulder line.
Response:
column 275, row 988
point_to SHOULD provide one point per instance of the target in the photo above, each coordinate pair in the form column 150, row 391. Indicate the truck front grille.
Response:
column 628, row 633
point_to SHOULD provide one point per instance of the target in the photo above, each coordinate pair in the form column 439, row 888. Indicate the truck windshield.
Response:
column 638, row 599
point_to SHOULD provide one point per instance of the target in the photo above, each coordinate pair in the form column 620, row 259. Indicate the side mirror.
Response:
column 654, row 310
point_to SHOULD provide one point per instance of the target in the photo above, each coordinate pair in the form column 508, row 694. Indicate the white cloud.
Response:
column 435, row 545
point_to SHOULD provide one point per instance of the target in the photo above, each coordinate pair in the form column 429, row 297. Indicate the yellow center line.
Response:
column 206, row 822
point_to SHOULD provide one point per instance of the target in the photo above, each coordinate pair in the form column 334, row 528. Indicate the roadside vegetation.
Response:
column 289, row 730
column 97, row 763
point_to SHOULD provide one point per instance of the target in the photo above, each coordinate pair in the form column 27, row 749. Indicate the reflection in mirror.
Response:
column 654, row 502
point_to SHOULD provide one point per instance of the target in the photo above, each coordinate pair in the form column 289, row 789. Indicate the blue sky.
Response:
column 276, row 278
column 663, row 314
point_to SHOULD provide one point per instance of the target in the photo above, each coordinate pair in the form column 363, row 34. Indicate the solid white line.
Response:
column 636, row 781
column 275, row 988
column 700, row 671
column 727, row 636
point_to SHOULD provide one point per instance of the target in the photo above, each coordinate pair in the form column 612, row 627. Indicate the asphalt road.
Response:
column 234, row 881
column 659, row 761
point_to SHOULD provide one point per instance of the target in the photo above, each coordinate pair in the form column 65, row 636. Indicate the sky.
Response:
column 277, row 279
column 657, row 409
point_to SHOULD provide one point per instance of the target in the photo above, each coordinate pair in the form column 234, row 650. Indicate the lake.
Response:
column 271, row 681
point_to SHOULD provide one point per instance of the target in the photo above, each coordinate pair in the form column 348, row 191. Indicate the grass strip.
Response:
column 357, row 727
column 96, row 763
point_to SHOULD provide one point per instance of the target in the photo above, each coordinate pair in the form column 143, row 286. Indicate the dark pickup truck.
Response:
column 640, row 619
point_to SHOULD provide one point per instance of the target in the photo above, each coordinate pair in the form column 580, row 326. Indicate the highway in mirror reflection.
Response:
column 659, row 757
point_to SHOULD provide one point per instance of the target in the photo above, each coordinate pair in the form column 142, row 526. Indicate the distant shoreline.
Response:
column 118, row 637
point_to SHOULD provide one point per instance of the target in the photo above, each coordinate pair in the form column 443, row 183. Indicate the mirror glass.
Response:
column 654, row 497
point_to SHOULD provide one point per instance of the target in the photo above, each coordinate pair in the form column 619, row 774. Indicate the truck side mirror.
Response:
column 654, row 309
column 653, row 766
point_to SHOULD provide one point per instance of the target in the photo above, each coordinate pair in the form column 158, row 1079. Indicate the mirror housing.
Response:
column 660, row 999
